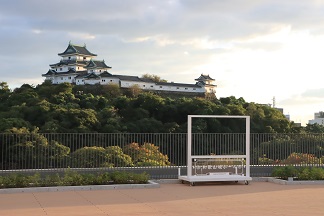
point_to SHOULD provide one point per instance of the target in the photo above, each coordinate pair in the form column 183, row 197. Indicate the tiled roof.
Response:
column 75, row 49
column 69, row 62
column 133, row 78
column 53, row 72
column 178, row 84
column 106, row 74
column 203, row 83
column 92, row 76
column 97, row 64
column 81, row 74
column 49, row 73
column 204, row 77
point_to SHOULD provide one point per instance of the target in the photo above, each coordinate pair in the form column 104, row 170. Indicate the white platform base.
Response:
column 212, row 178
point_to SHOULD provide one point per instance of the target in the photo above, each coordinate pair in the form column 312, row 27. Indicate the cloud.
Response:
column 314, row 93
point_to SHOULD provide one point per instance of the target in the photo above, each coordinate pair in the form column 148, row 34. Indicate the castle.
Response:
column 78, row 66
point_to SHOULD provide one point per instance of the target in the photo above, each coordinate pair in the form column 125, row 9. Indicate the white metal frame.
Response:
column 204, row 178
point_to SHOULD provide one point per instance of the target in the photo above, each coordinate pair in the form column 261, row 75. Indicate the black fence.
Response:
column 160, row 154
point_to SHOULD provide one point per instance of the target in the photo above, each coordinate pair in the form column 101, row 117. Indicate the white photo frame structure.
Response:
column 208, row 178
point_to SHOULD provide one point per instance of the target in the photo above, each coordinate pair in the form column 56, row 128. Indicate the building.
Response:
column 318, row 118
column 78, row 66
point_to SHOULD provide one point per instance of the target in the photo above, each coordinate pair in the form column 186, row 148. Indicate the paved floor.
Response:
column 258, row 198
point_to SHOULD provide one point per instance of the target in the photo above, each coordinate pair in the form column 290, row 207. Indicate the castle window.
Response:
column 99, row 70
column 84, row 58
column 55, row 69
column 61, row 78
column 143, row 85
column 78, row 68
column 69, row 77
column 186, row 88
column 194, row 89
column 160, row 86
column 177, row 87
column 151, row 86
column 69, row 57
column 110, row 80
column 60, row 69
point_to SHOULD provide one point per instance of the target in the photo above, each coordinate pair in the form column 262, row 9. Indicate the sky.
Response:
column 255, row 49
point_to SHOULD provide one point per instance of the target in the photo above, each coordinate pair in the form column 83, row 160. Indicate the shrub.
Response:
column 305, row 173
column 316, row 173
column 301, row 158
column 102, row 179
column 140, row 178
column 52, row 180
column 72, row 178
column 284, row 172
column 120, row 177
column 146, row 155
column 90, row 157
column 116, row 156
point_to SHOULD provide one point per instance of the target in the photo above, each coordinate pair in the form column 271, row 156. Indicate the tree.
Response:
column 4, row 92
column 117, row 157
column 146, row 155
column 9, row 123
column 133, row 91
column 154, row 78
column 150, row 102
column 93, row 157
column 314, row 128
column 31, row 150
column 90, row 157
column 111, row 90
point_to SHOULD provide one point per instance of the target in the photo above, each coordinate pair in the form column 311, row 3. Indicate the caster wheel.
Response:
column 182, row 182
column 192, row 184
column 246, row 182
column 236, row 181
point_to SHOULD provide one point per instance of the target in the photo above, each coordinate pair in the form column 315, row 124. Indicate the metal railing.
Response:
column 160, row 154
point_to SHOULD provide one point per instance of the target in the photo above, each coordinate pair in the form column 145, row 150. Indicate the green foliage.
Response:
column 313, row 173
column 129, row 177
column 116, row 156
column 66, row 108
column 90, row 157
column 153, row 77
column 301, row 173
column 287, row 148
column 32, row 150
column 301, row 158
column 72, row 178
column 146, row 155
column 284, row 172
column 314, row 128
column 51, row 180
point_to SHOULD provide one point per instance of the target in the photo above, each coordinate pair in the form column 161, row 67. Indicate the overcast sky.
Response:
column 255, row 49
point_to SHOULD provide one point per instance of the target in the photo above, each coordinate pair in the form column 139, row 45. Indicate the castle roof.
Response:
column 76, row 49
column 92, row 76
column 69, row 62
column 204, row 77
column 51, row 72
column 106, row 74
column 178, row 84
column 97, row 64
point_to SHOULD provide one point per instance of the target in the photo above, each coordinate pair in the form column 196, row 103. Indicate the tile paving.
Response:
column 258, row 198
